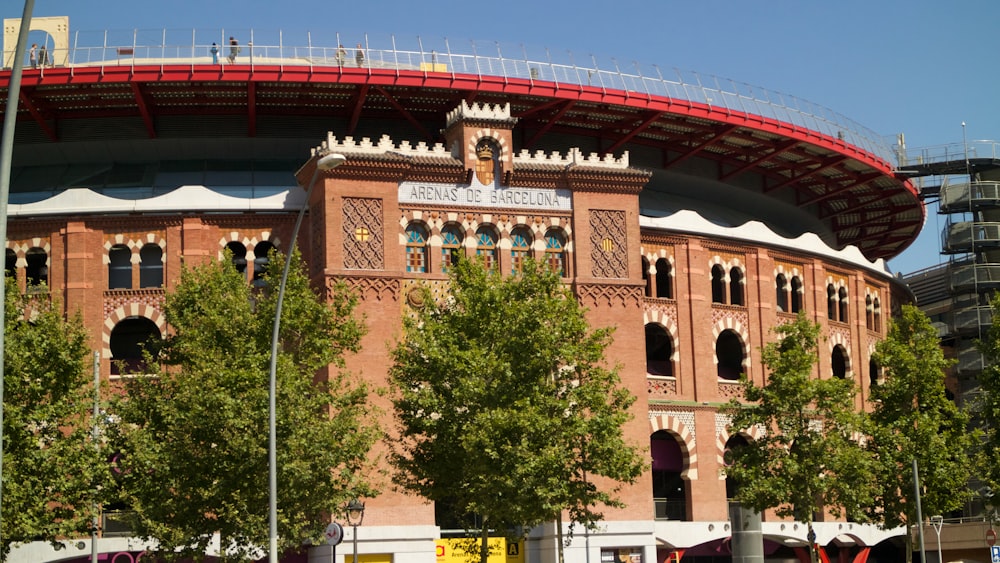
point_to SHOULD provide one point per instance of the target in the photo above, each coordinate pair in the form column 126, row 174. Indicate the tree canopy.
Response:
column 53, row 471
column 809, row 458
column 194, row 434
column 507, row 411
column 987, row 406
column 912, row 418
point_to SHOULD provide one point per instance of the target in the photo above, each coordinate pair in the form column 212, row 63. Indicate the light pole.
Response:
column 6, row 157
column 328, row 162
column 355, row 515
column 937, row 521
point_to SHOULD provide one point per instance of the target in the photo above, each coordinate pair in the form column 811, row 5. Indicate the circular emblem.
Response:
column 415, row 297
column 334, row 533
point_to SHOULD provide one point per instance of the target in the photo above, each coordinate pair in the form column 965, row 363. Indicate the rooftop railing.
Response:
column 953, row 152
column 169, row 47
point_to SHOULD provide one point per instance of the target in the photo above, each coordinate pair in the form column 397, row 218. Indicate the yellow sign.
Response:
column 363, row 557
column 457, row 550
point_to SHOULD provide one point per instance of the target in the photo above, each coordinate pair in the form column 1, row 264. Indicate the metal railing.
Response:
column 479, row 58
column 952, row 152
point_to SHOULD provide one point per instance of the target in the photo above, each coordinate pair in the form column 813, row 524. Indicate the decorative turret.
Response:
column 482, row 133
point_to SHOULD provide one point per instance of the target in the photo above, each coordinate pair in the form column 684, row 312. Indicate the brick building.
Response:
column 692, row 227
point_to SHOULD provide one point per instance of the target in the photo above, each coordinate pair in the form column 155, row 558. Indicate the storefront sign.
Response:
column 452, row 550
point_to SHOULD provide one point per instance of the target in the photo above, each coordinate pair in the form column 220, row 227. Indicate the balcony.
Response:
column 970, row 361
column 965, row 276
column 969, row 196
column 973, row 320
column 970, row 235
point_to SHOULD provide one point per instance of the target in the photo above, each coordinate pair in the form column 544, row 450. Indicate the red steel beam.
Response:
column 359, row 102
column 251, row 109
column 718, row 134
column 406, row 114
column 143, row 105
column 37, row 116
column 643, row 125
column 552, row 121
column 775, row 152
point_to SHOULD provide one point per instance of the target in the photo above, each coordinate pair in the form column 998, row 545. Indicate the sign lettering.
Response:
column 485, row 196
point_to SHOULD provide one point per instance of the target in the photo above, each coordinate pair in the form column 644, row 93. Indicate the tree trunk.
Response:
column 484, row 548
column 559, row 534
column 811, row 536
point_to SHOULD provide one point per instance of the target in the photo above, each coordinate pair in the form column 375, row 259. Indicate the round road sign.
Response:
column 991, row 537
column 334, row 533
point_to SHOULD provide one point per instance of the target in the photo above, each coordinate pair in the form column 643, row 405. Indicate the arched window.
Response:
column 669, row 488
column 451, row 245
column 659, row 351
column 120, row 267
column 729, row 355
column 10, row 264
column 486, row 246
column 877, row 314
column 734, row 442
column 781, row 293
column 718, row 284
column 239, row 253
column 37, row 268
column 416, row 248
column 128, row 340
column 555, row 251
column 831, row 302
column 664, row 285
column 873, row 372
column 647, row 284
column 838, row 362
column 520, row 248
column 843, row 304
column 151, row 266
column 796, row 294
column 261, row 260
column 736, row 286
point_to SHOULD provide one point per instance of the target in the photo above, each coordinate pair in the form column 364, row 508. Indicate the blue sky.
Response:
column 917, row 67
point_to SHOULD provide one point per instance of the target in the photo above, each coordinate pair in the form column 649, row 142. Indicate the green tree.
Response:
column 986, row 407
column 809, row 458
column 53, row 471
column 195, row 436
column 506, row 407
column 912, row 418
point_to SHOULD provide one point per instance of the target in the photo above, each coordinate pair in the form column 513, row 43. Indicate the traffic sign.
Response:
column 991, row 537
column 335, row 534
column 995, row 554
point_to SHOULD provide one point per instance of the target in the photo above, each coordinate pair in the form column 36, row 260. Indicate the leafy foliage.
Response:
column 987, row 406
column 53, row 471
column 506, row 408
column 195, row 437
column 913, row 419
column 809, row 458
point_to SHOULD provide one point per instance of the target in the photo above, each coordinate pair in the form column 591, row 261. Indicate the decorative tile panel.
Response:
column 608, row 244
column 363, row 244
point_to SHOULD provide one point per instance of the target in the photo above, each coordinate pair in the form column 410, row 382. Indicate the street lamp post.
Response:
column 355, row 515
column 937, row 521
column 328, row 162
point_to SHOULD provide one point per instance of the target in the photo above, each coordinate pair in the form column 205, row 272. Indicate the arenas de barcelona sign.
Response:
column 478, row 195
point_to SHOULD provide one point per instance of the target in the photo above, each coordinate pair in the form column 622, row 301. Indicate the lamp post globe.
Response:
column 355, row 515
